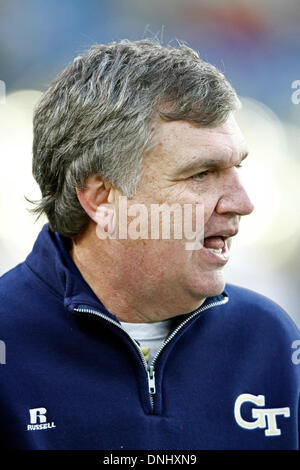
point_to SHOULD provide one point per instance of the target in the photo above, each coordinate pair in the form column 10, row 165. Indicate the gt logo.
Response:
column 265, row 418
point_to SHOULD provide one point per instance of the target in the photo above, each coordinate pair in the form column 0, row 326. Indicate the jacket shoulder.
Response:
column 21, row 291
column 259, row 310
column 10, row 280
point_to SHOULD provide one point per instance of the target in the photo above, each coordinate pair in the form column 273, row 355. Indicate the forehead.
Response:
column 182, row 145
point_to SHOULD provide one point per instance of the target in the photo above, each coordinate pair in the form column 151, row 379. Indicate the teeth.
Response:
column 213, row 250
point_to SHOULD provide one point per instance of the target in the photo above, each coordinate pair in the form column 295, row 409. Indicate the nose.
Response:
column 234, row 198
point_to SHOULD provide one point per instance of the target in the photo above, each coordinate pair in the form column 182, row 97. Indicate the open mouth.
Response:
column 217, row 247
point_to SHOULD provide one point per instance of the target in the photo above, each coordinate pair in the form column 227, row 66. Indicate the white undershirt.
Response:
column 149, row 335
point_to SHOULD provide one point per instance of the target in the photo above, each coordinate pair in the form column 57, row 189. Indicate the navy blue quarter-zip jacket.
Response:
column 227, row 376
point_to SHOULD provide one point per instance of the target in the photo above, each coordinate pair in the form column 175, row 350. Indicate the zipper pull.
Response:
column 151, row 380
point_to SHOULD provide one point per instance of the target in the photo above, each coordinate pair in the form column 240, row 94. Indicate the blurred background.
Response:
column 256, row 44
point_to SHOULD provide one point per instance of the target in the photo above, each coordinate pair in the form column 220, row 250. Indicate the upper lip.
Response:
column 226, row 233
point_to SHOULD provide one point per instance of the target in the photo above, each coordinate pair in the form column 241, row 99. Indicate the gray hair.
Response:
column 97, row 118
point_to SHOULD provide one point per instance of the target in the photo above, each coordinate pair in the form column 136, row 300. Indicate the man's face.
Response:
column 193, row 165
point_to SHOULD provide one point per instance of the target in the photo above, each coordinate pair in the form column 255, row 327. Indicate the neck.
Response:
column 133, row 292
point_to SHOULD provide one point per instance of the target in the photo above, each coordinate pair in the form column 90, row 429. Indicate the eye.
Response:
column 201, row 175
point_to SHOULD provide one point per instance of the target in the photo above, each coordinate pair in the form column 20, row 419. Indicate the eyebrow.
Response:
column 209, row 164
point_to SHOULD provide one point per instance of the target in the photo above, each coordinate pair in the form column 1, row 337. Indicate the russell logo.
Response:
column 38, row 420
column 264, row 418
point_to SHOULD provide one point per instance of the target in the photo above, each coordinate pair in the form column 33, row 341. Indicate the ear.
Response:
column 94, row 195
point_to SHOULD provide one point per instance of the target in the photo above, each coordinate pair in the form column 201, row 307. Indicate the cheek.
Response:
column 206, row 193
column 210, row 201
column 208, row 213
column 166, row 255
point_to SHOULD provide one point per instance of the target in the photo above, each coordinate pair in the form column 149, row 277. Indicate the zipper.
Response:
column 150, row 369
column 199, row 310
column 151, row 380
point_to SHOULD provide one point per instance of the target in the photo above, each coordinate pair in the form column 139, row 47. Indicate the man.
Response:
column 134, row 342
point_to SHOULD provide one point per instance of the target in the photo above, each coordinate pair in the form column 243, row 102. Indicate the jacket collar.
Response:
column 51, row 262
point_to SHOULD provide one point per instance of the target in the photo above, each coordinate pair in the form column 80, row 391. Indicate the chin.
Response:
column 208, row 284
